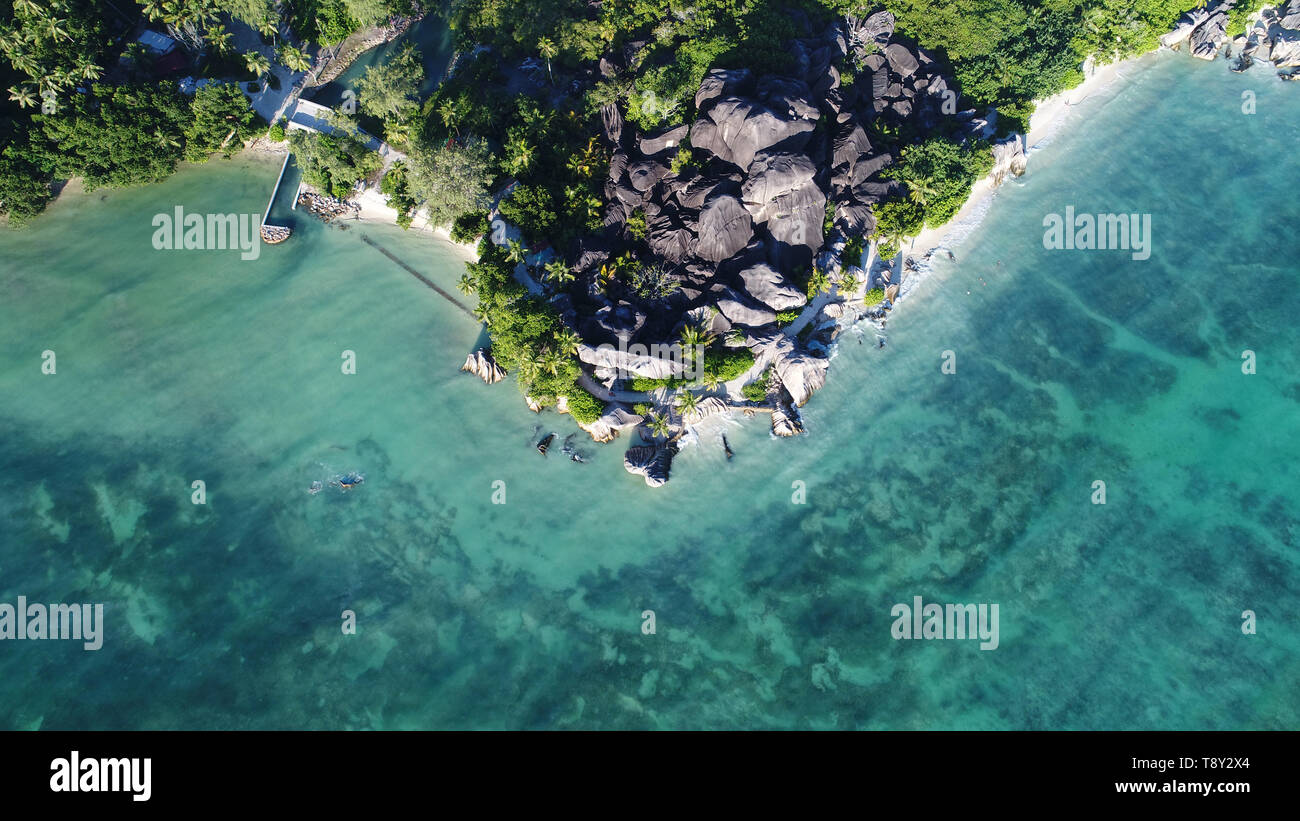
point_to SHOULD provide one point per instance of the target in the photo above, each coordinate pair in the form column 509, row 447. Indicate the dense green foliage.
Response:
column 390, row 92
column 756, row 391
column 221, row 120
column 939, row 174
column 528, row 338
column 452, row 179
column 469, row 227
column 584, row 407
column 333, row 163
column 727, row 363
column 395, row 185
column 531, row 208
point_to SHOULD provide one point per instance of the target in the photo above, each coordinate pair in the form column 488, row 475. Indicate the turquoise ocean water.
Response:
column 1071, row 367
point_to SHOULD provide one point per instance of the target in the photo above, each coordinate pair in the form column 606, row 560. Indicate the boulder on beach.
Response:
column 613, row 421
column 633, row 362
column 1186, row 25
column 785, row 422
column 1008, row 158
column 1208, row 37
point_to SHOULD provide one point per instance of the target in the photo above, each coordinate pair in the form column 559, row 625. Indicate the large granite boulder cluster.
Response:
column 1274, row 37
column 772, row 161
column 739, row 225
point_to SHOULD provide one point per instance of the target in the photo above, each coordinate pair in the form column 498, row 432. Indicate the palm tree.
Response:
column 294, row 59
column 519, row 155
column 268, row 28
column 712, row 381
column 568, row 340
column 481, row 313
column 558, row 272
column 54, row 29
column 546, row 48
column 529, row 369
column 553, row 361
column 258, row 64
column 465, row 285
column 32, row 7
column 220, row 39
column 659, row 425
column 515, row 251
column 921, row 192
column 449, row 111
column 89, row 71
column 688, row 402
column 25, row 96
column 165, row 140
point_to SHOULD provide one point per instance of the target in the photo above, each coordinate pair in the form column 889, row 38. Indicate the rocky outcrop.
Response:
column 724, row 228
column 1008, row 158
column 736, row 231
column 1207, row 38
column 706, row 407
column 1274, row 35
column 612, row 422
column 651, row 461
column 770, row 287
column 325, row 207
column 1184, row 28
column 275, row 234
column 785, row 420
column 481, row 364
column 633, row 363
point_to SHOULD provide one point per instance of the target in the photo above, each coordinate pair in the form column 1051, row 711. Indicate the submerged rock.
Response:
column 651, row 461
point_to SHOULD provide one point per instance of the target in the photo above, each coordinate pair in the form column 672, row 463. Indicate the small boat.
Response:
column 545, row 443
column 726, row 447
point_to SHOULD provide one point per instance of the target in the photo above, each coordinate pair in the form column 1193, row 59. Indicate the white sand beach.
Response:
column 1049, row 115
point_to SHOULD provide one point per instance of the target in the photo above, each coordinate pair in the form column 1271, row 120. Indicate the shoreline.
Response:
column 1049, row 116
column 373, row 209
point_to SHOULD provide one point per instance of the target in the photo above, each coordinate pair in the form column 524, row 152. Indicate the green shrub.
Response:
column 728, row 363
column 395, row 185
column 646, row 384
column 468, row 227
column 756, row 391
column 874, row 297
column 786, row 317
column 817, row 283
column 532, row 209
column 585, row 407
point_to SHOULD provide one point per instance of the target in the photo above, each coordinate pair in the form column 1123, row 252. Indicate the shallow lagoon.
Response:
column 1072, row 367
